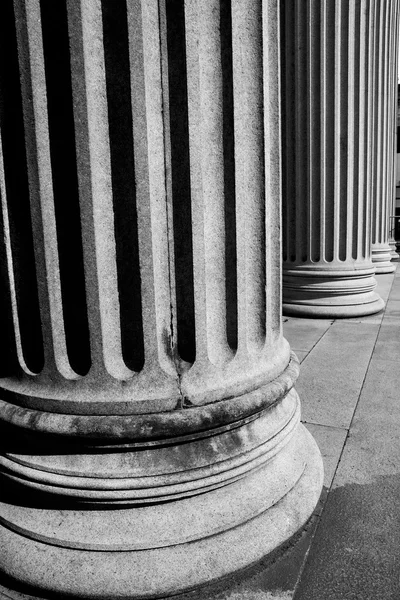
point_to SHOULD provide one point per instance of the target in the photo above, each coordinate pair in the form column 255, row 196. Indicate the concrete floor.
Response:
column 350, row 391
column 350, row 388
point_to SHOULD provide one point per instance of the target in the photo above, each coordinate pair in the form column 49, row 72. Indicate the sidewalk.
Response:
column 350, row 390
column 349, row 387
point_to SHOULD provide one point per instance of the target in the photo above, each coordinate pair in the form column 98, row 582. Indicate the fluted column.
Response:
column 150, row 430
column 393, row 132
column 328, row 58
column 384, row 119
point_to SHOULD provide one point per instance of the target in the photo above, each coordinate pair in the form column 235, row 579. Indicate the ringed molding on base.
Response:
column 330, row 293
column 382, row 260
column 153, row 518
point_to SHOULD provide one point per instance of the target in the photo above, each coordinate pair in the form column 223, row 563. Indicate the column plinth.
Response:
column 150, row 431
column 327, row 153
column 330, row 293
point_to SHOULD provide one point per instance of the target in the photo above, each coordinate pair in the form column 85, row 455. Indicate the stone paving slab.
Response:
column 373, row 446
column 387, row 346
column 330, row 441
column 392, row 310
column 375, row 319
column 303, row 334
column 395, row 292
column 356, row 550
column 332, row 374
column 384, row 285
column 301, row 354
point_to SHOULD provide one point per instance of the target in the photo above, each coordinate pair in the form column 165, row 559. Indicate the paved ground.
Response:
column 355, row 418
column 350, row 392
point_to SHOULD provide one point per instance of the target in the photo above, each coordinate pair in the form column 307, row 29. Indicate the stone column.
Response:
column 328, row 53
column 384, row 118
column 393, row 131
column 151, row 439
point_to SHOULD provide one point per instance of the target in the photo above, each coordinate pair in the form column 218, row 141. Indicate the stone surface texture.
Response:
column 150, row 431
column 334, row 71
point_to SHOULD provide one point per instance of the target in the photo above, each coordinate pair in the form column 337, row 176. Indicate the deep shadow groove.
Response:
column 288, row 135
column 229, row 174
column 358, row 108
column 331, row 152
column 17, row 189
column 116, row 52
column 8, row 354
column 65, row 182
column 180, row 172
column 345, row 143
column 284, row 136
column 315, row 137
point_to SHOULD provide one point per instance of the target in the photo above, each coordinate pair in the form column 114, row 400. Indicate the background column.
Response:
column 384, row 123
column 150, row 431
column 328, row 96
column 393, row 77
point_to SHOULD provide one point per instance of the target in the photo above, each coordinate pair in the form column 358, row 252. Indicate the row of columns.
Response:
column 150, row 430
column 338, row 94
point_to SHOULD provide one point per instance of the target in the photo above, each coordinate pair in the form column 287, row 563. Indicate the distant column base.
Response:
column 394, row 256
column 330, row 294
column 381, row 259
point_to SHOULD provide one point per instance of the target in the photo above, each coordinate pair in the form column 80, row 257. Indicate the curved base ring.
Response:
column 162, row 549
column 323, row 311
column 323, row 293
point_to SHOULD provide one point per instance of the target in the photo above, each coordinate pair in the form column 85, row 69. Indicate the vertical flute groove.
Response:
column 95, row 186
column 381, row 252
column 350, row 192
column 31, row 59
column 8, row 274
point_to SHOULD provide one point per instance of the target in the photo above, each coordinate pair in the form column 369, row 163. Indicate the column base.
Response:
column 330, row 294
column 159, row 572
column 159, row 519
column 394, row 256
column 381, row 259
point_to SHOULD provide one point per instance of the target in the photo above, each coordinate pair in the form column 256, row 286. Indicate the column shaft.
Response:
column 393, row 144
column 151, row 436
column 328, row 98
column 384, row 117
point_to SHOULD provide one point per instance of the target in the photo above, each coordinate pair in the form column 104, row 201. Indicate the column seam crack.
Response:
column 172, row 342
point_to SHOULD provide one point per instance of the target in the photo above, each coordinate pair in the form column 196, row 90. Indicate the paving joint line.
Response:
column 361, row 389
column 325, row 425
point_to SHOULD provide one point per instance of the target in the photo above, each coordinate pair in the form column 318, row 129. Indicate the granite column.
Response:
column 384, row 122
column 150, row 431
column 393, row 132
column 328, row 96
